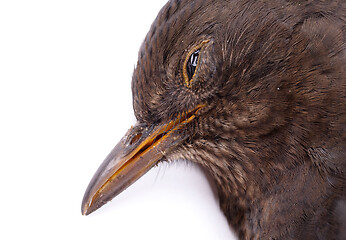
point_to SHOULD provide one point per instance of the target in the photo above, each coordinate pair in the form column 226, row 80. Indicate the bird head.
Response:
column 218, row 83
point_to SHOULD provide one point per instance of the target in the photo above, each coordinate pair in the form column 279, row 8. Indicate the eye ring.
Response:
column 195, row 50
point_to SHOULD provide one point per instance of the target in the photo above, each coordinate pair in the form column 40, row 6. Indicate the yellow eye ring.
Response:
column 188, row 81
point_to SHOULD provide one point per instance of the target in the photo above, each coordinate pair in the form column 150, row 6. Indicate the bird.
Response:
column 253, row 92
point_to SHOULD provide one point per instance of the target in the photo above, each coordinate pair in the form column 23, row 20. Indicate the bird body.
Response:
column 254, row 92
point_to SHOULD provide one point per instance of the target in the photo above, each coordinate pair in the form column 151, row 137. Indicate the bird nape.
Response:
column 254, row 92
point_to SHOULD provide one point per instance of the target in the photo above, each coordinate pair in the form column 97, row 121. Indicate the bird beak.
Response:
column 136, row 153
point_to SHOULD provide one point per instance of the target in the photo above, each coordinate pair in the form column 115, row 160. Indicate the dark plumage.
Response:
column 254, row 92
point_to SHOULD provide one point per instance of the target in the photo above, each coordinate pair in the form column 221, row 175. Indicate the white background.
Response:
column 65, row 101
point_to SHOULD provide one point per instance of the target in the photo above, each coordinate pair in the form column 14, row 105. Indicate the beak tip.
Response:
column 90, row 206
column 84, row 210
column 86, row 206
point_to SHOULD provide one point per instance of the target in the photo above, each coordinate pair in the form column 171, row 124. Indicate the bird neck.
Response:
column 237, row 193
column 243, row 184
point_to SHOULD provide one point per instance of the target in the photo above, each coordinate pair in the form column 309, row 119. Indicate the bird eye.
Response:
column 192, row 62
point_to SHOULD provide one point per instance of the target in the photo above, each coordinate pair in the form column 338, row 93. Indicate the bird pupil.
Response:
column 192, row 64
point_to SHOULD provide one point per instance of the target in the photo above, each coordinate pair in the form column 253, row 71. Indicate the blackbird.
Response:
column 254, row 92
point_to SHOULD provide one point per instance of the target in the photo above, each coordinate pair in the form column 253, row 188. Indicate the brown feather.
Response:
column 272, row 134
